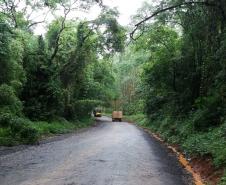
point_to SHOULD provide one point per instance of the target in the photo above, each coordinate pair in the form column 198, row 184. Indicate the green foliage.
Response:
column 134, row 107
column 6, row 65
column 114, row 36
column 60, row 126
column 193, row 142
column 128, row 67
column 42, row 98
column 64, row 74
column 182, row 78
column 42, row 92
column 210, row 113
column 9, row 102
column 223, row 179
column 5, row 119
column 24, row 131
column 47, row 128
column 17, row 130
column 99, row 82
column 139, row 119
column 21, row 129
column 10, row 63
column 29, row 135
column 83, row 108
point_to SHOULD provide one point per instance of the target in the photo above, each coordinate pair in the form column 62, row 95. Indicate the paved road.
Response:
column 107, row 154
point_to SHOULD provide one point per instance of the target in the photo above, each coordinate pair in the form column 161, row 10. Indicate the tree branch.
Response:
column 66, row 12
column 34, row 23
column 10, row 7
column 164, row 10
column 38, row 22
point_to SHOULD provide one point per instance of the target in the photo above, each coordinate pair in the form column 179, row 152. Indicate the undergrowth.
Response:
column 211, row 142
column 23, row 131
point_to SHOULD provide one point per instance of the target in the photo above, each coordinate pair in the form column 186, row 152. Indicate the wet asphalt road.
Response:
column 107, row 154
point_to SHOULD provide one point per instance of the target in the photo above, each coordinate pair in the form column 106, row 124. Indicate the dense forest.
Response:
column 167, row 68
column 58, row 77
column 173, row 71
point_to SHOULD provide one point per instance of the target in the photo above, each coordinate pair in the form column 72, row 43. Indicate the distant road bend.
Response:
column 116, row 153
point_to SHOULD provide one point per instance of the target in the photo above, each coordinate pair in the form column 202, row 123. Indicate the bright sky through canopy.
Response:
column 127, row 8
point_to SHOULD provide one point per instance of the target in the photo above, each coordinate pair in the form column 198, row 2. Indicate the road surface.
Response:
column 107, row 154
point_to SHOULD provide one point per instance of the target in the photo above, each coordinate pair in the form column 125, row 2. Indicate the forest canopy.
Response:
column 64, row 73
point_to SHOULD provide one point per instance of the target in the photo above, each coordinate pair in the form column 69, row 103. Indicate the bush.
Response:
column 83, row 108
column 9, row 102
column 134, row 107
column 29, row 135
column 69, row 112
column 5, row 119
column 17, row 85
column 154, row 104
column 17, row 125
column 209, row 113
column 223, row 179
column 22, row 130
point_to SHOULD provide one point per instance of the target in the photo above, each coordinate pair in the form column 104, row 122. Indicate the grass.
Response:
column 139, row 119
column 42, row 129
column 107, row 114
column 6, row 138
column 57, row 127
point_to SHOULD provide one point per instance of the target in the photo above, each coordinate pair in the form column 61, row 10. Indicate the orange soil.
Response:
column 201, row 168
column 205, row 168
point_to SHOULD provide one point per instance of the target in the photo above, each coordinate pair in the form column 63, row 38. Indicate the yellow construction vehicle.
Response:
column 97, row 112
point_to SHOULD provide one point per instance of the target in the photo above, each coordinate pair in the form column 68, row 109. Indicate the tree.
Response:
column 184, row 68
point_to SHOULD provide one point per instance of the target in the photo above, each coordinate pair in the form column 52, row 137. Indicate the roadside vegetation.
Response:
column 50, row 83
column 28, row 132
